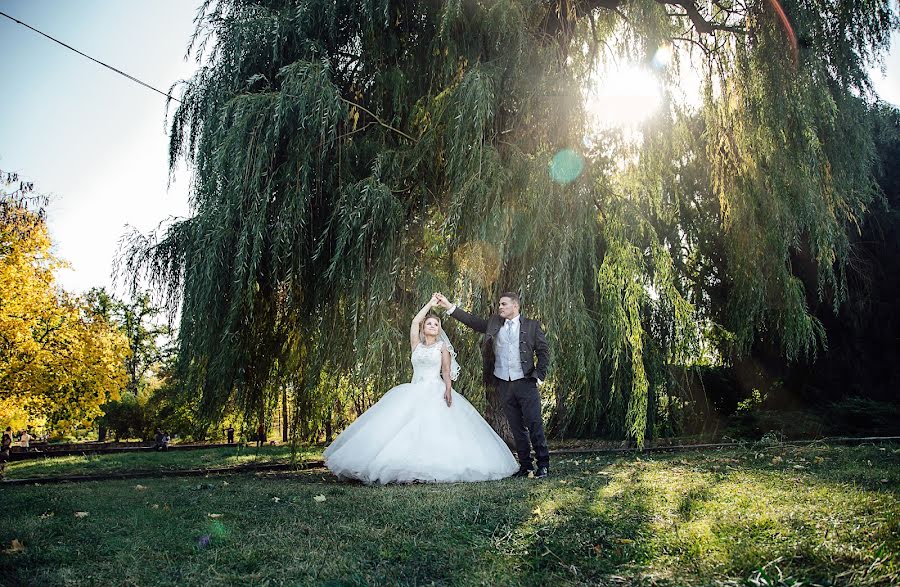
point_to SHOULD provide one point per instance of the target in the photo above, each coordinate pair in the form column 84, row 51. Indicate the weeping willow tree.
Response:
column 351, row 157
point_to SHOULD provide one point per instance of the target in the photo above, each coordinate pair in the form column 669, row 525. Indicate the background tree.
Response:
column 850, row 387
column 153, row 395
column 58, row 360
column 349, row 158
column 149, row 337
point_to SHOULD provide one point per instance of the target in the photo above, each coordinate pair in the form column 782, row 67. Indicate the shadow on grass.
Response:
column 686, row 519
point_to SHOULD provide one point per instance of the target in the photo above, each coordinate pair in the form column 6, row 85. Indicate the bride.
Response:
column 423, row 430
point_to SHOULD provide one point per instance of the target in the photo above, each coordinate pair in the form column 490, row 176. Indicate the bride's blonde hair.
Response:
column 428, row 316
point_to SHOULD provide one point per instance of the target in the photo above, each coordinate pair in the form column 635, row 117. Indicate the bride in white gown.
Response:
column 423, row 430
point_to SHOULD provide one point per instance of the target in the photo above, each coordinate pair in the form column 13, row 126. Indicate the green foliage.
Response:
column 350, row 158
column 155, row 398
column 170, row 409
column 139, row 322
column 126, row 418
column 161, row 403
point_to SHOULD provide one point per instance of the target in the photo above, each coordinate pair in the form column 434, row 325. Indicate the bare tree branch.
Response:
column 701, row 24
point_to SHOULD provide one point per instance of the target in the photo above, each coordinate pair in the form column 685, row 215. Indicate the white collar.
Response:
column 512, row 320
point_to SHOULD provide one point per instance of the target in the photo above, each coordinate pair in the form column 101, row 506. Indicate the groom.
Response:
column 510, row 344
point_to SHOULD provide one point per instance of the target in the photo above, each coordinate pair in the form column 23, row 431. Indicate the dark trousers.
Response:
column 522, row 406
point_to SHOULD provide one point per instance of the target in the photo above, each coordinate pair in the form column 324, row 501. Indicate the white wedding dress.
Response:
column 411, row 434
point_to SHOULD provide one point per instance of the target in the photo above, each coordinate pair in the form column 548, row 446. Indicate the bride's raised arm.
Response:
column 417, row 320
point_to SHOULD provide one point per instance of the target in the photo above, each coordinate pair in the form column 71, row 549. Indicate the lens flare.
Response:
column 566, row 166
column 788, row 30
column 479, row 262
column 217, row 529
column 663, row 57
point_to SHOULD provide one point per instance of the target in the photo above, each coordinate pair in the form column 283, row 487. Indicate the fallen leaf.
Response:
column 15, row 547
column 625, row 541
column 155, row 506
column 139, row 487
column 81, row 514
column 215, row 516
column 799, row 467
column 777, row 460
column 536, row 511
column 884, row 480
column 225, row 483
column 819, row 460
column 46, row 515
column 276, row 499
column 319, row 498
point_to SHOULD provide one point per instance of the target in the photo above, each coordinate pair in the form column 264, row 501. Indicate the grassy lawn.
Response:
column 774, row 516
column 154, row 461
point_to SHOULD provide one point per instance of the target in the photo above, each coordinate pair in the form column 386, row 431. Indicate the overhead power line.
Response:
column 69, row 47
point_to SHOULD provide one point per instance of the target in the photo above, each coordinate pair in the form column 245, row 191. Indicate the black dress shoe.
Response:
column 542, row 473
column 522, row 472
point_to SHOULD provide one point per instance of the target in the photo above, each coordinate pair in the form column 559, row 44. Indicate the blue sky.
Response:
column 95, row 141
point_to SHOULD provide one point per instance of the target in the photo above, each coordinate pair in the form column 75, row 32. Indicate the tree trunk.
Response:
column 328, row 430
column 496, row 418
column 284, row 415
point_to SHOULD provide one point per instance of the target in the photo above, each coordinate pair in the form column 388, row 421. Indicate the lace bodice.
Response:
column 426, row 362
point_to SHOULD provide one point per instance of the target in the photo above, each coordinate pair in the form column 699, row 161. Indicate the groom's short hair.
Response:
column 513, row 296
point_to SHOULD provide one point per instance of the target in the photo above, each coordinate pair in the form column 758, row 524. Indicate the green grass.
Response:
column 154, row 461
column 774, row 516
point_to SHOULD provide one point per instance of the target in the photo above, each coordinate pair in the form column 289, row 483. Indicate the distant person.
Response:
column 25, row 440
column 5, row 444
column 166, row 439
column 260, row 435
column 158, row 440
column 230, row 433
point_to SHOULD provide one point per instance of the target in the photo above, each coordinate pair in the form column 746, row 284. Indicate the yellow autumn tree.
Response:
column 58, row 362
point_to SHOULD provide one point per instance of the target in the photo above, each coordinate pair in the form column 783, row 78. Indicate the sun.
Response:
column 623, row 97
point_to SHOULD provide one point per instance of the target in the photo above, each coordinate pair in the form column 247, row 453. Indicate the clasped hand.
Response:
column 438, row 299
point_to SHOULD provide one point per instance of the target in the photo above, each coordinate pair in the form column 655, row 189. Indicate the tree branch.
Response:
column 702, row 25
column 378, row 120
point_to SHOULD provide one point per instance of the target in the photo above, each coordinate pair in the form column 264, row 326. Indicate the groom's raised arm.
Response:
column 474, row 322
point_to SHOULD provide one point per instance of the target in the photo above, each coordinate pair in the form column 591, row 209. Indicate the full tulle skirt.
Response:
column 411, row 434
